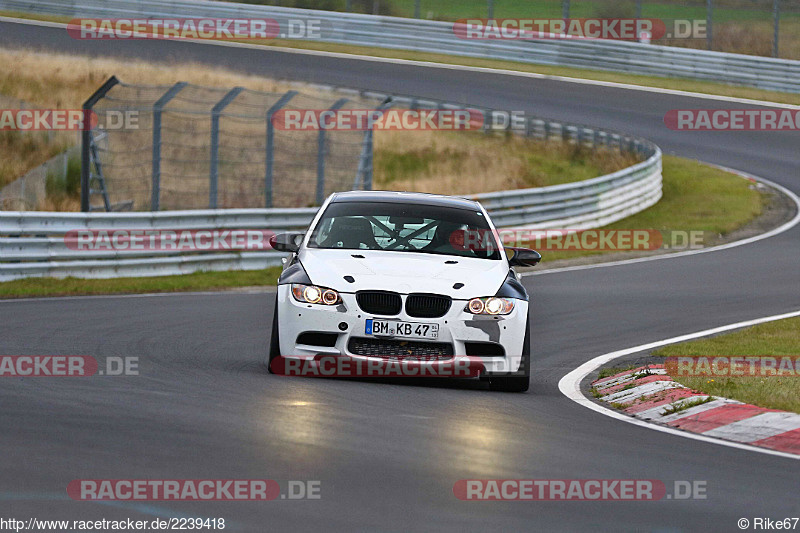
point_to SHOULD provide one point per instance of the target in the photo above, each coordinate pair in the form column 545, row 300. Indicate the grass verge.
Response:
column 199, row 281
column 23, row 151
column 599, row 75
column 467, row 163
column 695, row 197
column 779, row 338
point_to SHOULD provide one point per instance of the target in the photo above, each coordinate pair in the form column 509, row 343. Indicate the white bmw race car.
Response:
column 381, row 276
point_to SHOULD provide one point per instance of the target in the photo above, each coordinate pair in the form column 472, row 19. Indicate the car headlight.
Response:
column 311, row 294
column 490, row 306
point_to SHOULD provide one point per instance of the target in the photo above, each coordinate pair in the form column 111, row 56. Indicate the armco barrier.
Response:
column 33, row 244
column 439, row 37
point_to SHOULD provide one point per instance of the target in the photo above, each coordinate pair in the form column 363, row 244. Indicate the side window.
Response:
column 323, row 230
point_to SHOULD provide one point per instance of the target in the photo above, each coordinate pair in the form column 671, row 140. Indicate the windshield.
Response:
column 404, row 228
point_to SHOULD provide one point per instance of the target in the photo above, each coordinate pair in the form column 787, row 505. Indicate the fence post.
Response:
column 709, row 23
column 564, row 9
column 158, row 107
column 776, row 14
column 86, row 139
column 490, row 9
column 416, row 9
column 321, row 154
column 270, row 156
column 213, row 183
column 364, row 171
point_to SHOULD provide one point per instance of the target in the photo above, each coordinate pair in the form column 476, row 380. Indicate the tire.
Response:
column 274, row 342
column 517, row 383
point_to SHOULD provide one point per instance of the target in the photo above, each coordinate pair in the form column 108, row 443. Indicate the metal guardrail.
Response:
column 439, row 37
column 586, row 204
column 34, row 244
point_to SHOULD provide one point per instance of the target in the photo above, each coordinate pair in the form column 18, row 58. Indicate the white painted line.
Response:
column 466, row 68
column 34, row 22
column 757, row 427
column 777, row 231
column 229, row 292
column 570, row 384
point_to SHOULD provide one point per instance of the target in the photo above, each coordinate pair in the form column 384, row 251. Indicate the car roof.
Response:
column 404, row 198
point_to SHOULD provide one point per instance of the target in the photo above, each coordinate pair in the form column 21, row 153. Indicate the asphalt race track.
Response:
column 388, row 454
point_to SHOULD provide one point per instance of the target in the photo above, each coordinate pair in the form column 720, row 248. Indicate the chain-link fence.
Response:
column 191, row 147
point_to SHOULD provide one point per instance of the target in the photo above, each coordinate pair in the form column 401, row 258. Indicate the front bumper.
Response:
column 457, row 328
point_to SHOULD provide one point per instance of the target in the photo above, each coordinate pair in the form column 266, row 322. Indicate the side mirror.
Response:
column 286, row 242
column 522, row 257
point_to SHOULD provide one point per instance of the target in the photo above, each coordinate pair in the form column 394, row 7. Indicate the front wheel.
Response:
column 274, row 343
column 517, row 383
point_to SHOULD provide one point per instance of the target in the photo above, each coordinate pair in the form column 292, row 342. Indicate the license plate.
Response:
column 400, row 328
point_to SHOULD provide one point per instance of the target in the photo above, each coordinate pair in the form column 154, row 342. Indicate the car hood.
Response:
column 404, row 272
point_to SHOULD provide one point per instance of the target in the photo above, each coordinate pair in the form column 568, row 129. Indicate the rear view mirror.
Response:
column 286, row 242
column 522, row 257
